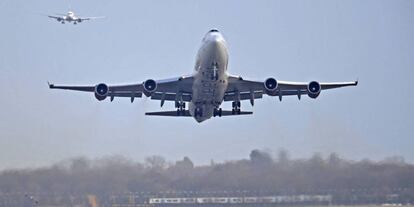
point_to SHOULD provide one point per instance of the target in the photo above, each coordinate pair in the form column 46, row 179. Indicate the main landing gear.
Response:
column 236, row 107
column 180, row 107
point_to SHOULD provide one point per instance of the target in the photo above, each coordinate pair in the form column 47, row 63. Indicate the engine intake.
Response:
column 101, row 91
column 150, row 86
column 270, row 85
column 314, row 89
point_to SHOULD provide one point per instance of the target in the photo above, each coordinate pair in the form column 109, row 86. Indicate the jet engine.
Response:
column 149, row 87
column 101, row 91
column 270, row 85
column 314, row 89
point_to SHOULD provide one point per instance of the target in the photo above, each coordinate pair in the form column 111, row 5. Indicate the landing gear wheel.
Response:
column 217, row 112
column 236, row 107
column 180, row 106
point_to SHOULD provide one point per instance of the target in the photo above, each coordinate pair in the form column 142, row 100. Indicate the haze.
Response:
column 290, row 40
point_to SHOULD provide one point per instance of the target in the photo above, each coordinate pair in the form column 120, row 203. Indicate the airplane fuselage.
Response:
column 70, row 17
column 210, row 79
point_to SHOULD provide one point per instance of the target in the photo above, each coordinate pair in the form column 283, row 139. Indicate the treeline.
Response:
column 262, row 172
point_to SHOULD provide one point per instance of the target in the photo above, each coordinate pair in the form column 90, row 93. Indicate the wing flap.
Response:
column 186, row 113
column 170, row 96
column 231, row 96
column 230, row 113
column 125, row 94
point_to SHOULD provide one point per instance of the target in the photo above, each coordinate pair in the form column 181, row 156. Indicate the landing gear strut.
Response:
column 236, row 107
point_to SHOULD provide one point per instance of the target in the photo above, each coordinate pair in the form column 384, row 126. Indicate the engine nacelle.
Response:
column 101, row 91
column 270, row 85
column 150, row 86
column 314, row 89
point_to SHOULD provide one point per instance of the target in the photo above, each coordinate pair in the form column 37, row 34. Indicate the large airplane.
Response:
column 71, row 17
column 208, row 87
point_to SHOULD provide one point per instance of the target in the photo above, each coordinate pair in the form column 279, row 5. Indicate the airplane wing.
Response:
column 174, row 89
column 59, row 18
column 240, row 89
column 90, row 18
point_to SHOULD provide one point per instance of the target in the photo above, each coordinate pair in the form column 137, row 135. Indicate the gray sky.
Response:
column 291, row 40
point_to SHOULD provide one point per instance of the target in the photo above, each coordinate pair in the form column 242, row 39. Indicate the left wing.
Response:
column 174, row 89
column 239, row 89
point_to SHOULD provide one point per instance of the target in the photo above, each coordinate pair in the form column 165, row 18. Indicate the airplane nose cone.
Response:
column 200, row 119
column 214, row 36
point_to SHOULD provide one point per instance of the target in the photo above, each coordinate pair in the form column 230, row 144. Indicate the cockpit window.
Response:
column 214, row 30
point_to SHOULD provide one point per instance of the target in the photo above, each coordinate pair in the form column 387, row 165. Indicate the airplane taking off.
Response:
column 208, row 87
column 71, row 17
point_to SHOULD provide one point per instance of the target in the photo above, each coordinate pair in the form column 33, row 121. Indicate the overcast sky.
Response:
column 372, row 40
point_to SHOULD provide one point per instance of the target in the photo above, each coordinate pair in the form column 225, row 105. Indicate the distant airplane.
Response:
column 208, row 87
column 71, row 17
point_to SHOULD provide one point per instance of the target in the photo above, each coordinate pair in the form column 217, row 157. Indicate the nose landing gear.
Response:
column 198, row 112
column 217, row 112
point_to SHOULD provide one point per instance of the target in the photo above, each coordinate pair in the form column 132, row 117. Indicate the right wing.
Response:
column 174, row 89
column 240, row 89
column 90, row 18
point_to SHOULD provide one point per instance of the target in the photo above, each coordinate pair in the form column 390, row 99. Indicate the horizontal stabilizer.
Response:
column 185, row 113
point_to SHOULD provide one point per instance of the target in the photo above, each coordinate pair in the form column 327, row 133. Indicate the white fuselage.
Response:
column 70, row 17
column 210, row 79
